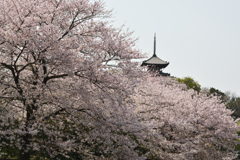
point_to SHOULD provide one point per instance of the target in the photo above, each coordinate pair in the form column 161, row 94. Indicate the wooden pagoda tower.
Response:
column 156, row 64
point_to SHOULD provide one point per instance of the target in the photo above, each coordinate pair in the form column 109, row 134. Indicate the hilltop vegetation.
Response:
column 232, row 102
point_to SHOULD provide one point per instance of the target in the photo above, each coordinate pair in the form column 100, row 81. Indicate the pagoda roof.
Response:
column 154, row 60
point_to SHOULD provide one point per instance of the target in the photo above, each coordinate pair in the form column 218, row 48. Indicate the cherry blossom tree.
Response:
column 185, row 124
column 60, row 98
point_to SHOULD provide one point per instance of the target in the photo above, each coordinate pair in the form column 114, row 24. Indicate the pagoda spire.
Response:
column 154, row 46
column 154, row 63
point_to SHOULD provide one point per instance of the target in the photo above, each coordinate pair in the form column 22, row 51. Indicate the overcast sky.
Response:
column 200, row 38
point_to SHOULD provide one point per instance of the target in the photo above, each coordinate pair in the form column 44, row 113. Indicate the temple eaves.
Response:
column 154, row 60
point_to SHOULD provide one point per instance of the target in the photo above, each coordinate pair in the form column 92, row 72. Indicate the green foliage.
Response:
column 215, row 92
column 191, row 84
column 234, row 104
column 9, row 152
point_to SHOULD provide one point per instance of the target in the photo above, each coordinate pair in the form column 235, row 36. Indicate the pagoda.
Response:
column 156, row 64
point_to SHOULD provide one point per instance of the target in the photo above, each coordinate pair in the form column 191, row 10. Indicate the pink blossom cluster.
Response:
column 185, row 124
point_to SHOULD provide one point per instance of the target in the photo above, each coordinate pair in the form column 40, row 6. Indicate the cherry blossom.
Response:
column 61, row 99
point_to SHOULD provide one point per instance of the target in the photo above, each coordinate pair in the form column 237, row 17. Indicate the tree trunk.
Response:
column 24, row 153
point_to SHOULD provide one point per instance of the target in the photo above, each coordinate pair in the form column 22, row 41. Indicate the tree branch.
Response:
column 54, row 114
column 53, row 77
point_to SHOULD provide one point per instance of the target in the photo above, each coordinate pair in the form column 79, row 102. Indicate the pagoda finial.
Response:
column 154, row 49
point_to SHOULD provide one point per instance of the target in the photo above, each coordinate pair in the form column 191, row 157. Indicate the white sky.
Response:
column 200, row 38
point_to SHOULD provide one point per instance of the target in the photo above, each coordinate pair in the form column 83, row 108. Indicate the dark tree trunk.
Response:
column 24, row 153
